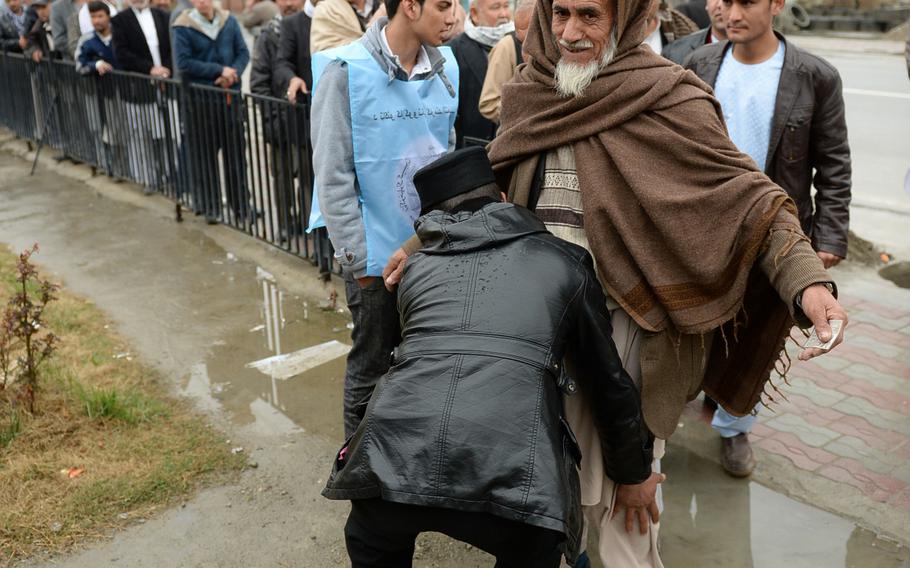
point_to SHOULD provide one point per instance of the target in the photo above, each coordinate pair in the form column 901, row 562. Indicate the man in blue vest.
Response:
column 383, row 107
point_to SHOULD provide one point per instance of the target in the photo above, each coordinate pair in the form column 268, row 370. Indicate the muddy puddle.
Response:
column 281, row 374
column 711, row 519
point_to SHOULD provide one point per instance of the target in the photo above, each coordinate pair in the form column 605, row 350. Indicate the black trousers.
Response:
column 374, row 311
column 381, row 534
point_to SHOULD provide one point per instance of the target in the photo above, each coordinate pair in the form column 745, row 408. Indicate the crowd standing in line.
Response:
column 580, row 140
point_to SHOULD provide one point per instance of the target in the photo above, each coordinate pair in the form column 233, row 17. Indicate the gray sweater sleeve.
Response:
column 333, row 165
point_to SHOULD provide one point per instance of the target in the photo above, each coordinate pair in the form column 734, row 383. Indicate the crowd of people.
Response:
column 558, row 221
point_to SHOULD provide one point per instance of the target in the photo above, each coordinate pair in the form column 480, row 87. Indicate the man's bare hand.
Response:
column 639, row 501
column 829, row 259
column 23, row 42
column 160, row 72
column 104, row 67
column 229, row 74
column 391, row 274
column 297, row 85
column 37, row 55
column 820, row 307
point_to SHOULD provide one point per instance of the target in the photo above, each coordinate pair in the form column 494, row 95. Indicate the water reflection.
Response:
column 711, row 519
column 283, row 372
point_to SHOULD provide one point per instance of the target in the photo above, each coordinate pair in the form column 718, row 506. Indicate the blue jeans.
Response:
column 729, row 426
column 377, row 331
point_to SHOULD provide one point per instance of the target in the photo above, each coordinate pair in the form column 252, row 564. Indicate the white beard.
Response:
column 572, row 79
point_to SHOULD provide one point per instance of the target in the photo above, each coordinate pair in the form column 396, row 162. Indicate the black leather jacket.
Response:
column 808, row 143
column 470, row 415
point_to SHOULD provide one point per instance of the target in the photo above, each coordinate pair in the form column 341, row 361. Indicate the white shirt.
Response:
column 748, row 95
column 654, row 42
column 423, row 64
column 85, row 19
column 147, row 23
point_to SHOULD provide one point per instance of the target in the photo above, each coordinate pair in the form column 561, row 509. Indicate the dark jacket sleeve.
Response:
column 9, row 39
column 86, row 56
column 831, row 160
column 31, row 16
column 241, row 53
column 615, row 402
column 127, row 57
column 261, row 72
column 185, row 63
column 285, row 61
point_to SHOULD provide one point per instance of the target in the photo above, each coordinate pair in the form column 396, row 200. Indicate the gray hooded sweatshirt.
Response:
column 333, row 148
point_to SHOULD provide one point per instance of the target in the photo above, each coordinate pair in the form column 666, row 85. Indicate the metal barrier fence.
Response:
column 239, row 159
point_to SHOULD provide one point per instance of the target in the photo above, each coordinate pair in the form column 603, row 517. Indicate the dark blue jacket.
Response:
column 90, row 50
column 199, row 58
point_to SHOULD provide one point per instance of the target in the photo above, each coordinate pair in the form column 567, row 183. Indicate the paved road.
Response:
column 877, row 96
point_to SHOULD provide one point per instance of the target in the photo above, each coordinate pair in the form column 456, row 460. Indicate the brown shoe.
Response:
column 736, row 456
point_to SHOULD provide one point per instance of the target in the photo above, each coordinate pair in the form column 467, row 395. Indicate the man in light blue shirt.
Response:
column 784, row 108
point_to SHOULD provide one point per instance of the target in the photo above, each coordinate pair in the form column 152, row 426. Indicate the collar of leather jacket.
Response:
column 455, row 233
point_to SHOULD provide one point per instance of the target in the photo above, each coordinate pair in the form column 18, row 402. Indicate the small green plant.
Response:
column 25, row 344
column 10, row 430
column 110, row 404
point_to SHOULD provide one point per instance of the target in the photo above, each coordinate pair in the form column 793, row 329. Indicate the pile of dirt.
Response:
column 861, row 251
column 897, row 272
column 899, row 33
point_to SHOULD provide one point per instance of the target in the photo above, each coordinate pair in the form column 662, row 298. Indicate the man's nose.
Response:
column 504, row 13
column 572, row 32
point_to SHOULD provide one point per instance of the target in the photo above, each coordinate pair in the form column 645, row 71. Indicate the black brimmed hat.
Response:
column 451, row 175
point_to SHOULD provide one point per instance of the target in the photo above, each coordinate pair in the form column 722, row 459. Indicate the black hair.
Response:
column 391, row 6
column 98, row 6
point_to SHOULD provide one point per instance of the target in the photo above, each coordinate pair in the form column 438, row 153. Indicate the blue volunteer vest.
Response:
column 397, row 127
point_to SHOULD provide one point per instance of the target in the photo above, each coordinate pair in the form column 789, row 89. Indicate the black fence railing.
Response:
column 239, row 159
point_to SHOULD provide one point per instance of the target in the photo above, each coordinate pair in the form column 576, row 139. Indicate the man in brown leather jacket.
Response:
column 785, row 108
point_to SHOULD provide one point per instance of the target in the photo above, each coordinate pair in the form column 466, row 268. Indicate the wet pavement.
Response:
column 223, row 331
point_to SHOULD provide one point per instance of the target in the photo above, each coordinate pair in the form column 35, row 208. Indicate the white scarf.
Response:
column 486, row 35
column 309, row 8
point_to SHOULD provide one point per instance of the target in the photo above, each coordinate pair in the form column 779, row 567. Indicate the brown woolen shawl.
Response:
column 675, row 214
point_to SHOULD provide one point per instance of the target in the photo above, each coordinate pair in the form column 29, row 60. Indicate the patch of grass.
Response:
column 140, row 449
column 10, row 429
column 110, row 404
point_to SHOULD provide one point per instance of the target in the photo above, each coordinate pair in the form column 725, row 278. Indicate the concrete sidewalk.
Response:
column 842, row 440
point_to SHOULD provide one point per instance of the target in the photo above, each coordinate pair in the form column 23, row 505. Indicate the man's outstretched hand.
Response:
column 639, row 501
column 391, row 274
column 820, row 307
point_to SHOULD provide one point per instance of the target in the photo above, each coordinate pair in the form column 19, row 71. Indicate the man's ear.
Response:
column 412, row 9
column 777, row 6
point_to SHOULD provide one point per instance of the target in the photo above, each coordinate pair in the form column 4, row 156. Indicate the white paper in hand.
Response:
column 816, row 343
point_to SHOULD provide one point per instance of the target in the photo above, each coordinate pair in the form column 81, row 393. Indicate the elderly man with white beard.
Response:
column 702, row 258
